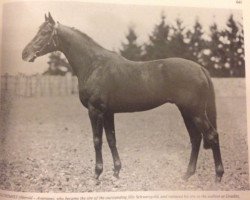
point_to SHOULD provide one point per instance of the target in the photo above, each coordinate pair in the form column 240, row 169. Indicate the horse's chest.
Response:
column 92, row 97
column 84, row 98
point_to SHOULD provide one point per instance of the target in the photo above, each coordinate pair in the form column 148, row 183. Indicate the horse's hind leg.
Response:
column 110, row 134
column 211, row 138
column 195, row 138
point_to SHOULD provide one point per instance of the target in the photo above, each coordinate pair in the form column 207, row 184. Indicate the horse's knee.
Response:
column 95, row 114
column 112, row 143
column 97, row 143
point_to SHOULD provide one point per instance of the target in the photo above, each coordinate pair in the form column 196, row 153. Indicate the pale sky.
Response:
column 107, row 24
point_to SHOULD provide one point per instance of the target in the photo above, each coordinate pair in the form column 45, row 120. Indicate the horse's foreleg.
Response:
column 212, row 139
column 96, row 118
column 195, row 138
column 110, row 134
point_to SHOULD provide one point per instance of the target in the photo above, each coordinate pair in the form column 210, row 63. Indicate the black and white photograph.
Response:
column 112, row 97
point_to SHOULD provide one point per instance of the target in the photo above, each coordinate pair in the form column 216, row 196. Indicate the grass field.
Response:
column 47, row 146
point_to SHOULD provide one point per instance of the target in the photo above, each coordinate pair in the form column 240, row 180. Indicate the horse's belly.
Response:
column 133, row 108
column 136, row 104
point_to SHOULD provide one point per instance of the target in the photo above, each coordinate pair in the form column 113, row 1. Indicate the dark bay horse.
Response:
column 109, row 83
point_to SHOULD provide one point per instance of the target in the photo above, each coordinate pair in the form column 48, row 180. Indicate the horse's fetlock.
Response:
column 117, row 168
column 99, row 168
column 219, row 170
column 117, row 165
column 95, row 113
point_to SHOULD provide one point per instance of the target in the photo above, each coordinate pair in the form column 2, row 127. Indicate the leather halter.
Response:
column 53, row 39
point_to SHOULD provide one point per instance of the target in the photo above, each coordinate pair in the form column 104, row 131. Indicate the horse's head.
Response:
column 44, row 42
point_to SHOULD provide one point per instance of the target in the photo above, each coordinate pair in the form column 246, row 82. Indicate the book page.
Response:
column 124, row 100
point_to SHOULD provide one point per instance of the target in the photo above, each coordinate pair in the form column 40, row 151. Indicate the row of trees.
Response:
column 222, row 52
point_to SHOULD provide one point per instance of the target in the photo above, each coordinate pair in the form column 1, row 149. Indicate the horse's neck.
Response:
column 80, row 50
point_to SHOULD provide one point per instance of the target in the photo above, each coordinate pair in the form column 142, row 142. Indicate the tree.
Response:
column 222, row 54
column 226, row 50
column 131, row 50
column 215, row 56
column 57, row 65
column 158, row 46
column 167, row 41
column 196, row 43
column 177, row 44
column 241, row 53
column 234, row 46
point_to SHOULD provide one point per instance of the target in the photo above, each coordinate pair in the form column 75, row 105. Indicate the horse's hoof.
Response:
column 98, row 170
column 93, row 182
column 116, row 174
column 218, row 179
column 98, row 182
column 187, row 175
column 96, row 176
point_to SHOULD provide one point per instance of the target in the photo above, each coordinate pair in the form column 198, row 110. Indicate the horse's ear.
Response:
column 46, row 18
column 51, row 20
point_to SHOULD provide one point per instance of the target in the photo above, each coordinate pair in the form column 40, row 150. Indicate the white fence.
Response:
column 38, row 85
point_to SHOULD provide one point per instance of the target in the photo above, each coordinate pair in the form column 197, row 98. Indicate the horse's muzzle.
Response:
column 29, row 57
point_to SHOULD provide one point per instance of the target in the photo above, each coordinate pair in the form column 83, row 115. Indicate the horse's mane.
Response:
column 80, row 36
column 85, row 37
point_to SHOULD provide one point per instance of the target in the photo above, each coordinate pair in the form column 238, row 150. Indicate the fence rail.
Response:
column 45, row 85
column 38, row 85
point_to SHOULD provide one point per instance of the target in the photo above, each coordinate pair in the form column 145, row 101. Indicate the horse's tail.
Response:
column 211, row 106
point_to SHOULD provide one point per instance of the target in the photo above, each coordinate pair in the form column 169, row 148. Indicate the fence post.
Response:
column 5, row 86
column 30, row 85
column 6, row 82
column 72, row 85
column 16, row 85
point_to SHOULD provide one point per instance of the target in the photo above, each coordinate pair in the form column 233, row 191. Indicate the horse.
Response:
column 109, row 84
